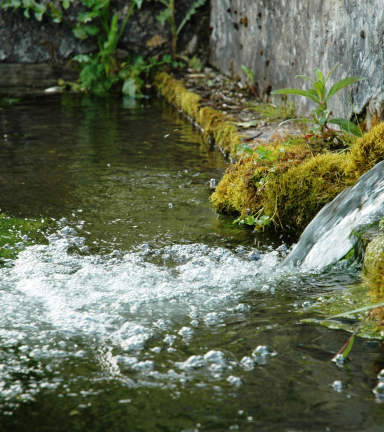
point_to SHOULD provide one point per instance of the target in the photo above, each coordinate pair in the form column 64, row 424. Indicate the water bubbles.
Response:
column 169, row 339
column 339, row 359
column 215, row 360
column 264, row 351
column 253, row 255
column 380, row 375
column 212, row 183
column 306, row 304
column 193, row 362
column 156, row 350
column 247, row 363
column 338, row 386
column 379, row 390
column 186, row 332
column 170, row 205
column 236, row 381
column 212, row 318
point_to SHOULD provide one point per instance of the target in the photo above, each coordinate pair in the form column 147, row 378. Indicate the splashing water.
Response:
column 334, row 231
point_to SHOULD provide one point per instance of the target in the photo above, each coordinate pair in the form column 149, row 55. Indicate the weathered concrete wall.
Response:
column 25, row 40
column 279, row 39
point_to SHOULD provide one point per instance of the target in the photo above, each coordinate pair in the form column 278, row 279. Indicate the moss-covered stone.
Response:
column 214, row 124
column 291, row 187
column 373, row 253
column 366, row 153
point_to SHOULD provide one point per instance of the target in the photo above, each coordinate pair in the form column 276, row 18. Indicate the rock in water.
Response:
column 329, row 237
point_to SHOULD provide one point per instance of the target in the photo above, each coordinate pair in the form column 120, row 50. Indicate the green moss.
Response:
column 292, row 186
column 298, row 194
column 214, row 123
column 366, row 153
column 373, row 253
column 12, row 231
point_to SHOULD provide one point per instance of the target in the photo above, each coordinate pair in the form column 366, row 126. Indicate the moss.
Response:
column 366, row 153
column 214, row 124
column 372, row 253
column 298, row 179
column 298, row 194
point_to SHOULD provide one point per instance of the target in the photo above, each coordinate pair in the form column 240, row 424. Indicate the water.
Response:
column 137, row 315
column 335, row 230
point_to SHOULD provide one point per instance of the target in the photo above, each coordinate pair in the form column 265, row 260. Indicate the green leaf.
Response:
column 26, row 13
column 249, row 220
column 138, row 3
column 341, row 84
column 347, row 125
column 82, row 58
column 110, row 44
column 164, row 16
column 320, row 89
column 167, row 58
column 349, row 346
column 85, row 17
column 365, row 308
column 129, row 87
column 243, row 148
column 39, row 15
column 66, row 4
column 80, row 33
column 192, row 10
column 318, row 74
column 297, row 92
column 304, row 77
column 246, row 125
column 91, row 30
column 331, row 72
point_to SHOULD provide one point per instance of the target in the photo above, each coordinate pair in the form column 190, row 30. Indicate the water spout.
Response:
column 330, row 236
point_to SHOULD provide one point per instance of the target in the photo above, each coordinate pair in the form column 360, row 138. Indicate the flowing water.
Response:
column 336, row 229
column 139, row 308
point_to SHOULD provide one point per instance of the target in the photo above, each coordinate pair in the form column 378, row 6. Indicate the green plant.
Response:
column 275, row 111
column 321, row 115
column 250, row 78
column 168, row 15
column 100, row 72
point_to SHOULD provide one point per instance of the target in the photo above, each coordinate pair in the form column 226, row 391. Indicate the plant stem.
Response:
column 173, row 29
column 125, row 22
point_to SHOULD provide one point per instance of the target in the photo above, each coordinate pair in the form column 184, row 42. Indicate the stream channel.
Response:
column 139, row 308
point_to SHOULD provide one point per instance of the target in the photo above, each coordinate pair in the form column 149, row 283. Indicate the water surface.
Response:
column 141, row 309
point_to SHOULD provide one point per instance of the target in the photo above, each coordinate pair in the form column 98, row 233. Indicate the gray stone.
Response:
column 279, row 39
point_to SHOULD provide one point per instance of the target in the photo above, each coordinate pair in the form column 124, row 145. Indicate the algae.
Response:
column 16, row 233
column 345, row 302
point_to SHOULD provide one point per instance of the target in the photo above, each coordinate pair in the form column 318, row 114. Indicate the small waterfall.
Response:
column 330, row 236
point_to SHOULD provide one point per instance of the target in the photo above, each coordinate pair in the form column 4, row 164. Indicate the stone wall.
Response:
column 279, row 39
column 26, row 40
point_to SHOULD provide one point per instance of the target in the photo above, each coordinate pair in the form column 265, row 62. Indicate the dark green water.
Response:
column 127, row 272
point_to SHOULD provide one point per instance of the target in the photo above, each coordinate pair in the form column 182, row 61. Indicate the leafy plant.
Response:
column 321, row 115
column 250, row 78
column 168, row 15
column 258, row 223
